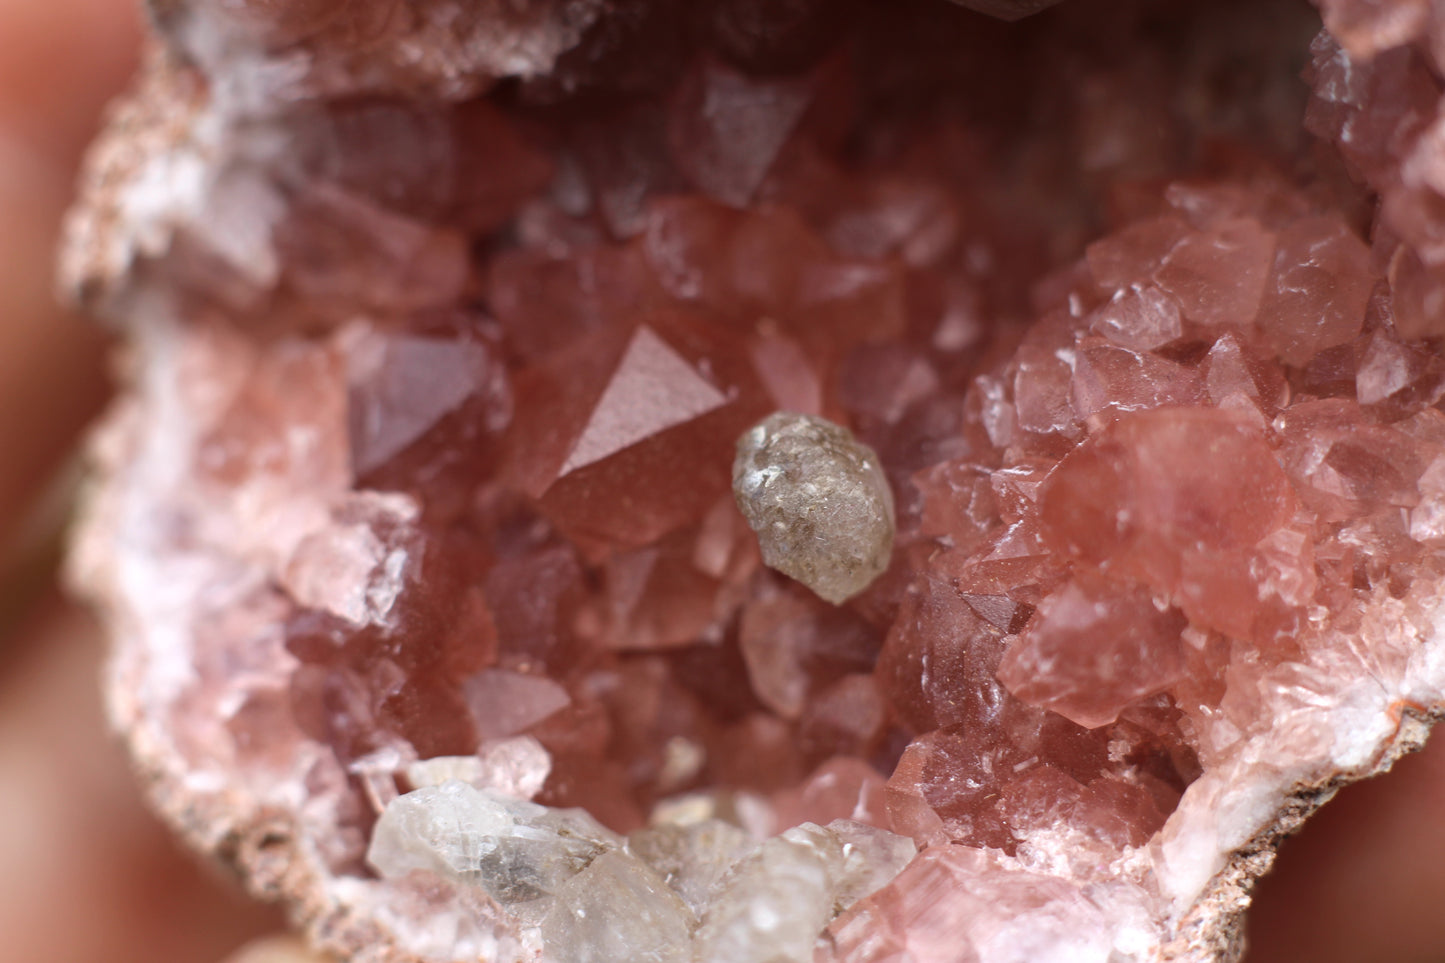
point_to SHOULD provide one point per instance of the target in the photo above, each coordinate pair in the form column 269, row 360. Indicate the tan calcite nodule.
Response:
column 819, row 502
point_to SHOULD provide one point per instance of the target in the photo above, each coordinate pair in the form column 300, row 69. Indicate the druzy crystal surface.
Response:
column 1110, row 353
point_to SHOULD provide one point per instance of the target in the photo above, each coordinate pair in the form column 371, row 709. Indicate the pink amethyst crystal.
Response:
column 433, row 608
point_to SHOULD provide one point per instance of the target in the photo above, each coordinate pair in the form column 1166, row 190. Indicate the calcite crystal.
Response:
column 819, row 502
column 1089, row 364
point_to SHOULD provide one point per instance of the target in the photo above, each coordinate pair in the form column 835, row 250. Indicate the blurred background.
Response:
column 87, row 875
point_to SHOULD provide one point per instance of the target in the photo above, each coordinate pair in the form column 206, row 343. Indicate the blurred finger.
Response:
column 86, row 873
column 1363, row 880
column 277, row 949
column 60, row 61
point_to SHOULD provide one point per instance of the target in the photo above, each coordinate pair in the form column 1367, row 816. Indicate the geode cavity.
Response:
column 415, row 530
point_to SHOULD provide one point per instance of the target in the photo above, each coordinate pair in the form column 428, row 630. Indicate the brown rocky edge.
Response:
column 1214, row 929
column 191, row 234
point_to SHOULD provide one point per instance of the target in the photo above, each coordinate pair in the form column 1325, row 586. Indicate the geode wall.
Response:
column 434, row 610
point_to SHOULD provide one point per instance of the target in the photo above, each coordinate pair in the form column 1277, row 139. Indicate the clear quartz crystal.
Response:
column 776, row 900
column 618, row 909
column 818, row 500
column 516, row 850
column 692, row 858
column 671, row 893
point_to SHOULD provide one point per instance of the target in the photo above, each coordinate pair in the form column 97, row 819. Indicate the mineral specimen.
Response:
column 819, row 502
column 1114, row 461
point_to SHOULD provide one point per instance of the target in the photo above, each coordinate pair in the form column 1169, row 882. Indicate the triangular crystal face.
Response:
column 653, row 389
column 733, row 128
column 418, row 382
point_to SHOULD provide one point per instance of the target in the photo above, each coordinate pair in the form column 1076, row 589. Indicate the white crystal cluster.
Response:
column 670, row 893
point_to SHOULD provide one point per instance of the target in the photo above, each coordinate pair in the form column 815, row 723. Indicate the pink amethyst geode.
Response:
column 415, row 529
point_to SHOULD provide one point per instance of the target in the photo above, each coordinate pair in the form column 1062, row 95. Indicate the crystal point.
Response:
column 653, row 389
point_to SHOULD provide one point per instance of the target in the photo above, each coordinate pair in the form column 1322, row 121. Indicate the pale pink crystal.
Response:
column 1089, row 651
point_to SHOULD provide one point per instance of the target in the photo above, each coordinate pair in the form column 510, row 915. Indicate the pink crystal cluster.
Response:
column 1160, row 508
column 447, row 320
